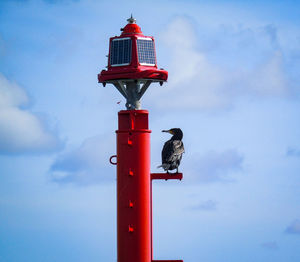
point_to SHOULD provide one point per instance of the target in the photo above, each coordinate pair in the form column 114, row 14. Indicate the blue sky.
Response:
column 233, row 88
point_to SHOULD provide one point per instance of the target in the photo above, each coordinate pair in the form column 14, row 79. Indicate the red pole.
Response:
column 134, row 232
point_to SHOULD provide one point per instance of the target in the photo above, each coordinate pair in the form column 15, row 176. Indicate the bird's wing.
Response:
column 171, row 150
column 167, row 151
column 178, row 147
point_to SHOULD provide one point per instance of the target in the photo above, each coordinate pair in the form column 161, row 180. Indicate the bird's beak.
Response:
column 167, row 131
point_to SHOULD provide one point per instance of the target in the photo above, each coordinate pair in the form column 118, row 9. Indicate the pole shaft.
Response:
column 134, row 229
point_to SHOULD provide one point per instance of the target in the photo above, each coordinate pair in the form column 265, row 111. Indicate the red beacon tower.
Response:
column 132, row 67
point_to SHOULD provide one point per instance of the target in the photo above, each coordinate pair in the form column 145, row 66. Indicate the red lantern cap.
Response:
column 131, row 27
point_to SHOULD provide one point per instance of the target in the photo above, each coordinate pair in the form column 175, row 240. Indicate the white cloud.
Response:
column 192, row 79
column 20, row 130
column 269, row 78
column 87, row 164
column 11, row 95
column 214, row 166
column 197, row 81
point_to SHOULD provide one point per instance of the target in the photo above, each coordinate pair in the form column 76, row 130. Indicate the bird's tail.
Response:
column 164, row 166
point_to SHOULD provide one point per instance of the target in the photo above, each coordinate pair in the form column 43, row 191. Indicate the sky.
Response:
column 233, row 88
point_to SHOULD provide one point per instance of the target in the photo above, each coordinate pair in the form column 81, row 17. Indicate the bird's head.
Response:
column 176, row 132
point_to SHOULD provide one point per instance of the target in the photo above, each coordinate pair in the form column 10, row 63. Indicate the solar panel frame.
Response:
column 146, row 51
column 121, row 51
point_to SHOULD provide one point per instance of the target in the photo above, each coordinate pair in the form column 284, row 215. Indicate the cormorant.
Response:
column 172, row 151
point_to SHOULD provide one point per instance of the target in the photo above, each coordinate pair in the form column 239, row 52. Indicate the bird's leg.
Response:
column 177, row 170
column 168, row 171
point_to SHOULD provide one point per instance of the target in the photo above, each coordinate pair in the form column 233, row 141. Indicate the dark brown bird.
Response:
column 172, row 151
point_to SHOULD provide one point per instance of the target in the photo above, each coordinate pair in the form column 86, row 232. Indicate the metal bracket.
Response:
column 166, row 176
column 122, row 89
column 133, row 90
column 167, row 260
column 144, row 89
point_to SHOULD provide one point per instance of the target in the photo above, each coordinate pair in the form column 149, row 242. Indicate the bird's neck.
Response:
column 177, row 137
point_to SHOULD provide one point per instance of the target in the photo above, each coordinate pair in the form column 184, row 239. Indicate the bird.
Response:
column 172, row 151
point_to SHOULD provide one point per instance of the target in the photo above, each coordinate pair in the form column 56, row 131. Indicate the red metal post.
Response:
column 134, row 232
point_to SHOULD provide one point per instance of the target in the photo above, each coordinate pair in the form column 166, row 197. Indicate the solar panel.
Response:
column 146, row 52
column 120, row 52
